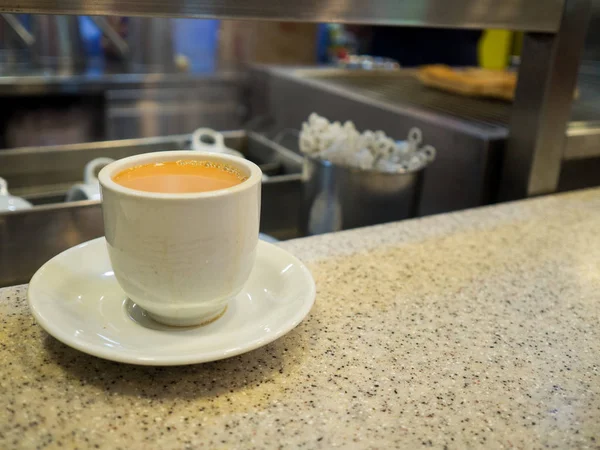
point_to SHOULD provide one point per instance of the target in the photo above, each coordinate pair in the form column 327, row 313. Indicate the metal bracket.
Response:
column 545, row 91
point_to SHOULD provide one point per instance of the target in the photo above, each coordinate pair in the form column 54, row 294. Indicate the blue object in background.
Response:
column 91, row 36
column 197, row 39
column 323, row 43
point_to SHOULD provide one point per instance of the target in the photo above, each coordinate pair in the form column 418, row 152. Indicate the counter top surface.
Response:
column 468, row 330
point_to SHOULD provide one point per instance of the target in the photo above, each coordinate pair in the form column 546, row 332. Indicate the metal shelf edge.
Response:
column 582, row 141
column 530, row 15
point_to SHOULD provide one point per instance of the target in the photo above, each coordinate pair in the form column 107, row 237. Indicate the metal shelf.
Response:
column 552, row 49
column 530, row 15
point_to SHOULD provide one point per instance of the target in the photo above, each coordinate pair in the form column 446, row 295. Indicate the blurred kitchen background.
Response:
column 75, row 88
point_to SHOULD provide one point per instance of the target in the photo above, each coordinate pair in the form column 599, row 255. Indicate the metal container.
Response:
column 43, row 174
column 469, row 133
column 339, row 198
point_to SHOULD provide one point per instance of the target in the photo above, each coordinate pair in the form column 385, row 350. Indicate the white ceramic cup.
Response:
column 10, row 202
column 182, row 257
column 90, row 188
column 217, row 145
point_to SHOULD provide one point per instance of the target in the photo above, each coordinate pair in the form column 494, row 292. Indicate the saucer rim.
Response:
column 168, row 360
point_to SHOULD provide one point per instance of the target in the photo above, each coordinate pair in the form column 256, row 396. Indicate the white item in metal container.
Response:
column 344, row 145
column 10, row 202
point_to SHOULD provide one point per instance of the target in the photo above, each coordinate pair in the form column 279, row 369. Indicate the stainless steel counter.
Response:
column 469, row 133
column 400, row 89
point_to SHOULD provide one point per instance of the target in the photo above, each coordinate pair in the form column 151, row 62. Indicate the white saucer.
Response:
column 76, row 298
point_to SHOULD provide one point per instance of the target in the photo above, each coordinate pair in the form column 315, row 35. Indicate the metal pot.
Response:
column 338, row 198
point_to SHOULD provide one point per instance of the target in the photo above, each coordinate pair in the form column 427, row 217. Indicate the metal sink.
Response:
column 43, row 174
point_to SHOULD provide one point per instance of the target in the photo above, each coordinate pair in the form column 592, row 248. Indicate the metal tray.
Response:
column 29, row 238
column 43, row 175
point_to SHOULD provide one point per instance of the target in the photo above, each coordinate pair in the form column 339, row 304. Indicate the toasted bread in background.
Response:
column 470, row 81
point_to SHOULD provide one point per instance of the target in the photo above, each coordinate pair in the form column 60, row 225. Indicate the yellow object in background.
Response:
column 517, row 43
column 495, row 48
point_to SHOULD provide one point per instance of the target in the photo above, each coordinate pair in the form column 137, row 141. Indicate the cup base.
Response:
column 187, row 321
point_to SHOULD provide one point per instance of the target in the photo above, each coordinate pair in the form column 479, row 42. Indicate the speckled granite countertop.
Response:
column 469, row 330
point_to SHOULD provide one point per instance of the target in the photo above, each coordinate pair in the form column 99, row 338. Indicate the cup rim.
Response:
column 106, row 173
